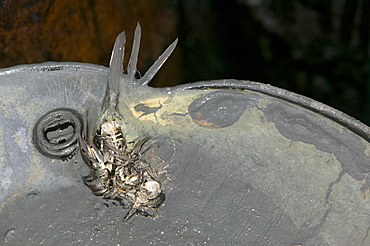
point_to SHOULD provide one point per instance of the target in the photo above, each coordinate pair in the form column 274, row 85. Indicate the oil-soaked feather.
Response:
column 157, row 64
column 116, row 60
column 132, row 64
column 115, row 72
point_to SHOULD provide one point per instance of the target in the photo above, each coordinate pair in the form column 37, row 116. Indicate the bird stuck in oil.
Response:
column 120, row 173
column 118, row 169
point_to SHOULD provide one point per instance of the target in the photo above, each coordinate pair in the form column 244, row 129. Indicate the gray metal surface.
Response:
column 241, row 163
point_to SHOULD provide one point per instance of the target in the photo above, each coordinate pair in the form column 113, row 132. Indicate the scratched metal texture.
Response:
column 242, row 163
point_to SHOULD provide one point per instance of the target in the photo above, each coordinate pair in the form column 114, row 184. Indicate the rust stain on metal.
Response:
column 201, row 121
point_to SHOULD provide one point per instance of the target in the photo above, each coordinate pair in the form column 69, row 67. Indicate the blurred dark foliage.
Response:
column 319, row 49
column 316, row 48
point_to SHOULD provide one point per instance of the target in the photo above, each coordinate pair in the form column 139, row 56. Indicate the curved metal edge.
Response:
column 351, row 123
column 52, row 66
column 345, row 120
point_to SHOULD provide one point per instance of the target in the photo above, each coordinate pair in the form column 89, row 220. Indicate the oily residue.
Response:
column 221, row 108
column 298, row 124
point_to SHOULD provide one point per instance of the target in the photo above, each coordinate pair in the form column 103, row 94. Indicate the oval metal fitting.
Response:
column 56, row 133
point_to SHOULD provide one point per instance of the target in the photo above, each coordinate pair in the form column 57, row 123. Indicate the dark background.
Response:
column 316, row 48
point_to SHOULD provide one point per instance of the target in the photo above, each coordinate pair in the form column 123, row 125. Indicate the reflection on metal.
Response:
column 241, row 163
